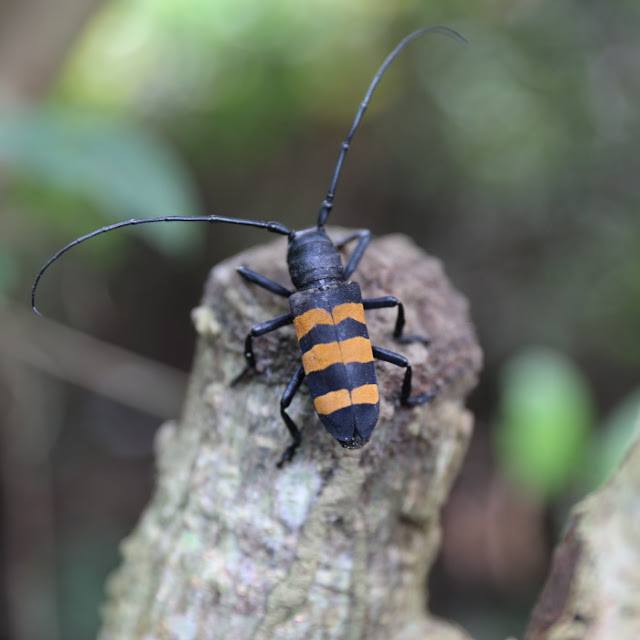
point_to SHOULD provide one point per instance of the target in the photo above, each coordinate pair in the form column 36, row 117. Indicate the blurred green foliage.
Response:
column 514, row 159
column 610, row 444
column 545, row 437
column 546, row 417
column 263, row 68
column 98, row 163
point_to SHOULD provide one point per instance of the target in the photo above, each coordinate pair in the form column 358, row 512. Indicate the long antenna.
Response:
column 274, row 227
column 325, row 208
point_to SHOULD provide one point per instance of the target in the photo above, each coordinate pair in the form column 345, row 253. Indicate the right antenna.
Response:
column 325, row 208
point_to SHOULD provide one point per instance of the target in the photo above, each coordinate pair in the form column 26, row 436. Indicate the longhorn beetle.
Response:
column 326, row 309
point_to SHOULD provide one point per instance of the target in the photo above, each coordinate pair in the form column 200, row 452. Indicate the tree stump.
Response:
column 337, row 543
column 593, row 589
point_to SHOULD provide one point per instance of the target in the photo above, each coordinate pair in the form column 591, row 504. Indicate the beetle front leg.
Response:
column 363, row 236
column 263, row 281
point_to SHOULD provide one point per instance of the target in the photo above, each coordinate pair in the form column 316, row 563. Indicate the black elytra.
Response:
column 326, row 309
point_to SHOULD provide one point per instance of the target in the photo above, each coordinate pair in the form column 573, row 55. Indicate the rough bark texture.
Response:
column 593, row 591
column 338, row 543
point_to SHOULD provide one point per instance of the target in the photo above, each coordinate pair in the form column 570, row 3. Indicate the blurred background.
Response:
column 514, row 159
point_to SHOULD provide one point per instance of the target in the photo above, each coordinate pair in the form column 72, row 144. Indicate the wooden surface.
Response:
column 593, row 590
column 338, row 543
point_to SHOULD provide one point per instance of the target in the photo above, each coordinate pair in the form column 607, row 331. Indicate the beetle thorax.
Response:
column 314, row 261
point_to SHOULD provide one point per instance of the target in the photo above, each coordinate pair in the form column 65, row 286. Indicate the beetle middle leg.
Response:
column 388, row 302
column 401, row 361
column 260, row 330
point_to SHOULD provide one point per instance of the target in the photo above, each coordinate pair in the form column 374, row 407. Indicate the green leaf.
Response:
column 545, row 420
column 118, row 168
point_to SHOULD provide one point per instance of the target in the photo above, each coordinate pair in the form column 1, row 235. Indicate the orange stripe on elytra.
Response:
column 309, row 319
column 366, row 394
column 356, row 350
column 321, row 356
column 332, row 401
column 353, row 310
column 336, row 400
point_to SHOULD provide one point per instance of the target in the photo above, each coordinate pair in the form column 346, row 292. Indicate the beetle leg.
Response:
column 285, row 401
column 391, row 301
column 259, row 330
column 264, row 282
column 401, row 361
column 364, row 237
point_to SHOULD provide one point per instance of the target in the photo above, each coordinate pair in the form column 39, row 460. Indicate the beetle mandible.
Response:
column 326, row 310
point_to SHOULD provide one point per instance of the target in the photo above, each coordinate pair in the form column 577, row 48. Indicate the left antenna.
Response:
column 274, row 227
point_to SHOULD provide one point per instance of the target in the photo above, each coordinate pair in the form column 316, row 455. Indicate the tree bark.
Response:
column 338, row 543
column 593, row 590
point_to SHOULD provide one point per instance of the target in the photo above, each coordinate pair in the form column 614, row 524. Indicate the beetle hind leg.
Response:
column 285, row 401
